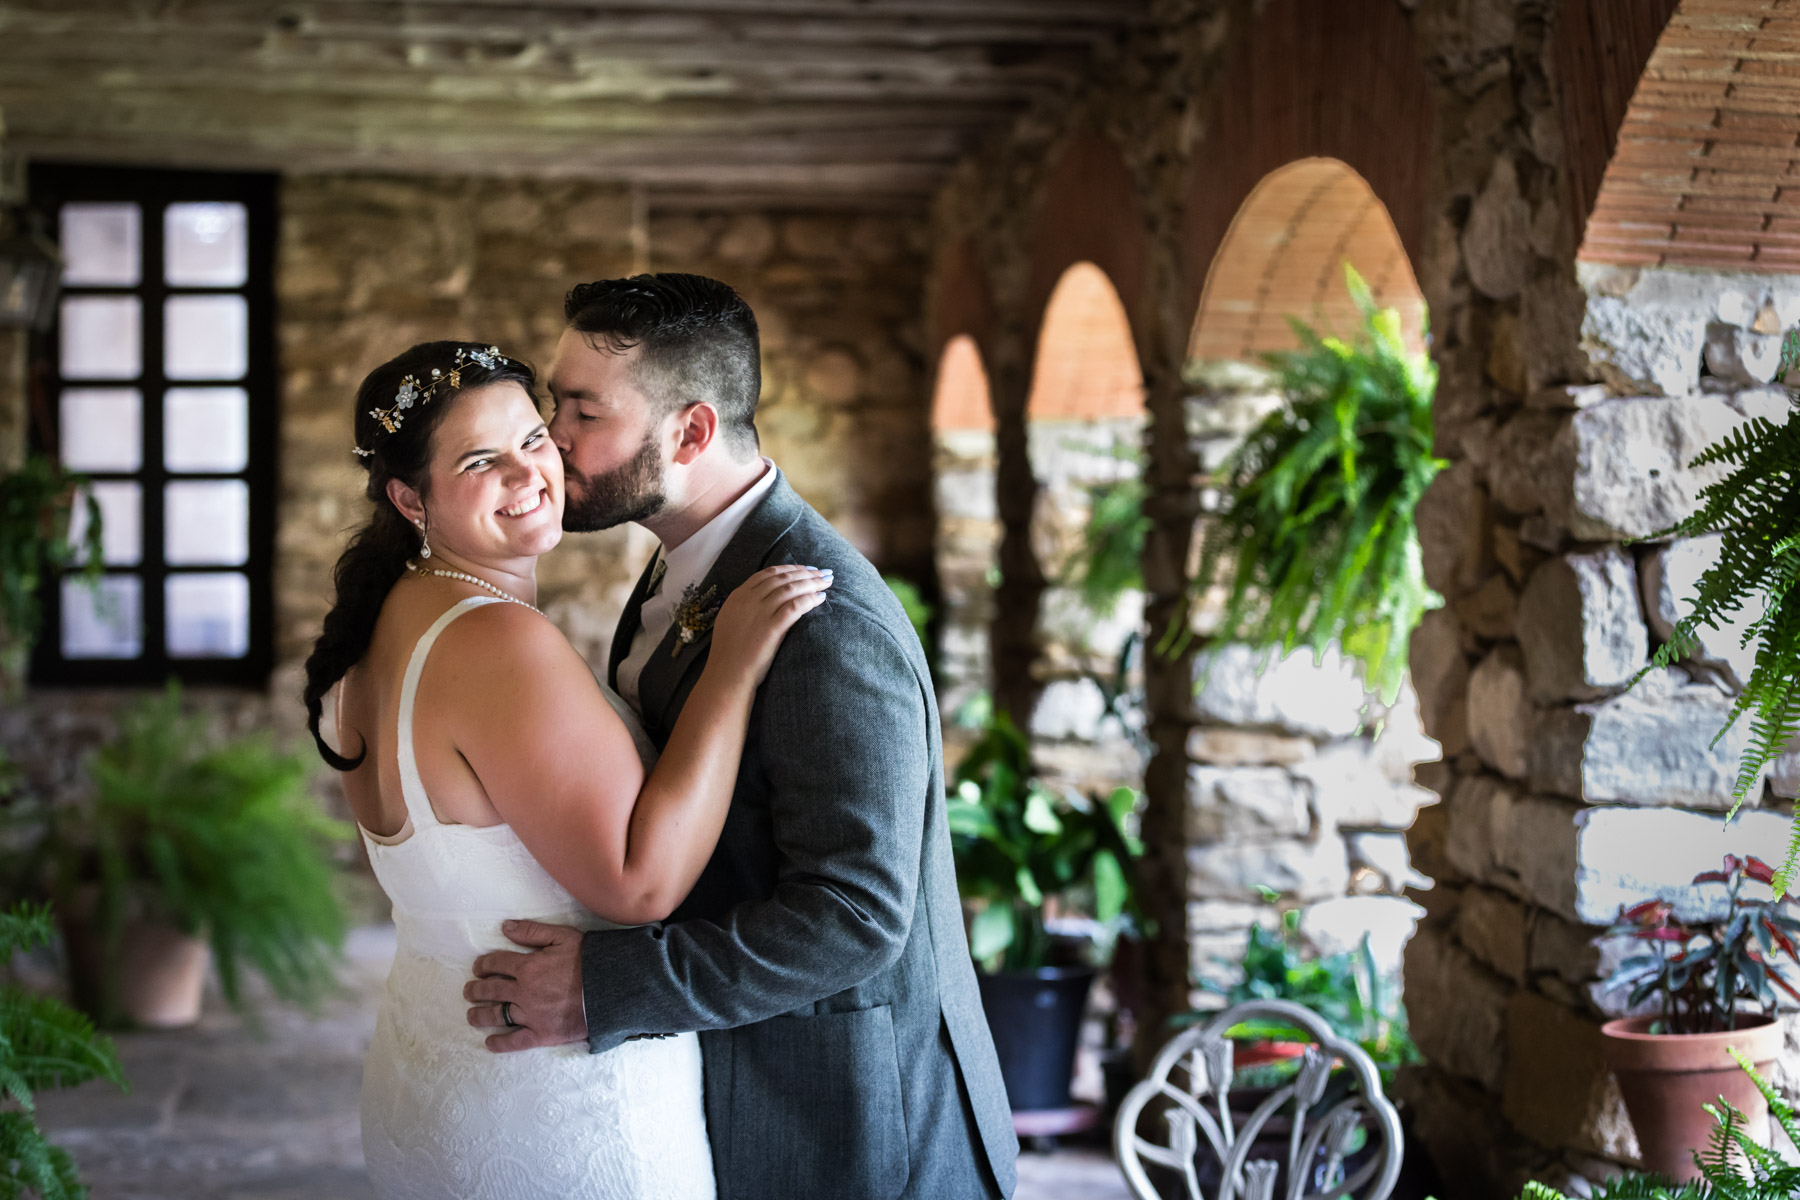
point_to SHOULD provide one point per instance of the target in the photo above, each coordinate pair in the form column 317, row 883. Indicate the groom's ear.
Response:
column 406, row 500
column 699, row 428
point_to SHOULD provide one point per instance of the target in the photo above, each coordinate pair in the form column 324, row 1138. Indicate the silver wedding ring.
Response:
column 506, row 1015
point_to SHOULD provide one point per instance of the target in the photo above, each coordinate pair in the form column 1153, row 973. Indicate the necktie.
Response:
column 656, row 576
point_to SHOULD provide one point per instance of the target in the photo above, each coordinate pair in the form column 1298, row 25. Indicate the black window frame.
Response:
column 51, row 185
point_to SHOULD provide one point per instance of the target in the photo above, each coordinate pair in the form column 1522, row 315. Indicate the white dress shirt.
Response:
column 686, row 565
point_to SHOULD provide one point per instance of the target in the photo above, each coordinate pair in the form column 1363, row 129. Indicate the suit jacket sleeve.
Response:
column 841, row 723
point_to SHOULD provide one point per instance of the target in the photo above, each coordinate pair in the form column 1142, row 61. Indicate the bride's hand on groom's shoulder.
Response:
column 539, row 991
column 756, row 616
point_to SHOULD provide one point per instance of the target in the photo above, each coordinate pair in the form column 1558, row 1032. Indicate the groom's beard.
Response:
column 631, row 492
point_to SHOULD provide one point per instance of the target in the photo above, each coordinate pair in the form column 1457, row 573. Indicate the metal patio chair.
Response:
column 1192, row 1078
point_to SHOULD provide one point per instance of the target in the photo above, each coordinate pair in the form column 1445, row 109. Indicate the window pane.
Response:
column 208, row 616
column 103, row 622
column 204, row 245
column 121, row 522
column 102, row 429
column 101, row 337
column 206, row 523
column 206, row 429
column 100, row 244
column 205, row 337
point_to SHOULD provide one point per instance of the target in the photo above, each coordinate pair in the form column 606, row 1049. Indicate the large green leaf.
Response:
column 991, row 932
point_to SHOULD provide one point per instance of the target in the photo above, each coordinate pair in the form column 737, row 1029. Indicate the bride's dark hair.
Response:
column 379, row 550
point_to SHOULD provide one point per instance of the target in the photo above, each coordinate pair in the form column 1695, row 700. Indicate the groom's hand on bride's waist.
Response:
column 532, row 999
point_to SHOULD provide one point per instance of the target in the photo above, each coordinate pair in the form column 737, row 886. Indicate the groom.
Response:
column 821, row 954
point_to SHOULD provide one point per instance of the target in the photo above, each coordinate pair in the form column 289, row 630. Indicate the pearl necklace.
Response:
column 480, row 583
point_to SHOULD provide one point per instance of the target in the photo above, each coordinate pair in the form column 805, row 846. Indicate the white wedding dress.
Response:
column 443, row 1118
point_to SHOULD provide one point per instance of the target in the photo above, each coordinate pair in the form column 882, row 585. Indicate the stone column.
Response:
column 1172, row 503
column 1018, row 598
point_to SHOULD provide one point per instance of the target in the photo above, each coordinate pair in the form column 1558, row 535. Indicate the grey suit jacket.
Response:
column 821, row 955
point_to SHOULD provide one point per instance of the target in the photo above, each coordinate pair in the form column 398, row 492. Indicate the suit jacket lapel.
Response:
column 629, row 621
column 743, row 556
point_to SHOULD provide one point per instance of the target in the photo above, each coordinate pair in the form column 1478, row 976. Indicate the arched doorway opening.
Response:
column 1334, row 849
column 1085, row 424
column 967, row 543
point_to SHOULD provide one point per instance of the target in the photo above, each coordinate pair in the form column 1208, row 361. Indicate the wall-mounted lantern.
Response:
column 30, row 271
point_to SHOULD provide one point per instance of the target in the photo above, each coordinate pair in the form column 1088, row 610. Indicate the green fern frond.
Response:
column 25, row 927
column 1314, row 542
column 30, row 1165
column 1751, row 509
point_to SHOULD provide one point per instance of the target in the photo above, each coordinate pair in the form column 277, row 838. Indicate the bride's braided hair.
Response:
column 378, row 551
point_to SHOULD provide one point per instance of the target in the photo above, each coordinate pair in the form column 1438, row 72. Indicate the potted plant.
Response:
column 1346, row 989
column 1313, row 539
column 1022, row 852
column 43, row 1044
column 188, row 843
column 1698, row 975
column 1733, row 1164
column 36, row 503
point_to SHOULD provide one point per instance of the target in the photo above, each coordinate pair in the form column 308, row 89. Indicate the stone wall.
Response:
column 1567, row 407
column 1087, row 728
column 967, row 557
column 1570, row 795
column 369, row 266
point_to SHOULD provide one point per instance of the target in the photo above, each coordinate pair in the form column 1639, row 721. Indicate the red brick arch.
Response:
column 1086, row 366
column 1341, row 80
column 961, row 398
column 1706, row 171
column 1284, row 259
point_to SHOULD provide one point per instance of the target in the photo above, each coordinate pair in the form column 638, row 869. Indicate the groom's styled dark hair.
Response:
column 697, row 341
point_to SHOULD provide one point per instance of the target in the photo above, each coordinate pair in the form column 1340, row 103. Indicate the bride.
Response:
column 493, row 777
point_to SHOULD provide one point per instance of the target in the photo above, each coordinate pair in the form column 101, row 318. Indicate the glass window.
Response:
column 205, row 337
column 102, row 429
column 205, row 245
column 121, row 507
column 102, row 337
column 206, row 524
column 104, row 621
column 208, row 616
column 160, row 373
column 206, row 429
column 100, row 244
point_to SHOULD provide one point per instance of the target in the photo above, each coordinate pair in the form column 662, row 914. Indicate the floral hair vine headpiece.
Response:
column 414, row 390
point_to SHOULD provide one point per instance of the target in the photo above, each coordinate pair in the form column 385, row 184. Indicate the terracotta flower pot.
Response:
column 1666, row 1078
column 161, row 973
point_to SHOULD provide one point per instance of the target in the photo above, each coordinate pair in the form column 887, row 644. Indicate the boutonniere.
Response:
column 694, row 615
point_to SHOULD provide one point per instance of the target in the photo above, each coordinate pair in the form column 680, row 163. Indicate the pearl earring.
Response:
column 424, row 545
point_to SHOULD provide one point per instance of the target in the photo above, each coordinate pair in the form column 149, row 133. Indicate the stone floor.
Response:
column 226, row 1112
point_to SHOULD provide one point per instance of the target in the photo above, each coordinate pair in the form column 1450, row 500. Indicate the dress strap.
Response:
column 412, row 788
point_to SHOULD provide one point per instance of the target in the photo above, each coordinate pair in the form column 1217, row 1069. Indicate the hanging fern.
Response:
column 43, row 1044
column 1110, row 561
column 1315, row 535
column 1753, row 511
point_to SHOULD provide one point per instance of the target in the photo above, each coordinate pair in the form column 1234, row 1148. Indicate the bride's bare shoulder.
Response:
column 504, row 641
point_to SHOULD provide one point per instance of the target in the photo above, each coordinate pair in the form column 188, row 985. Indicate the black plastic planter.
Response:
column 1035, row 1017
